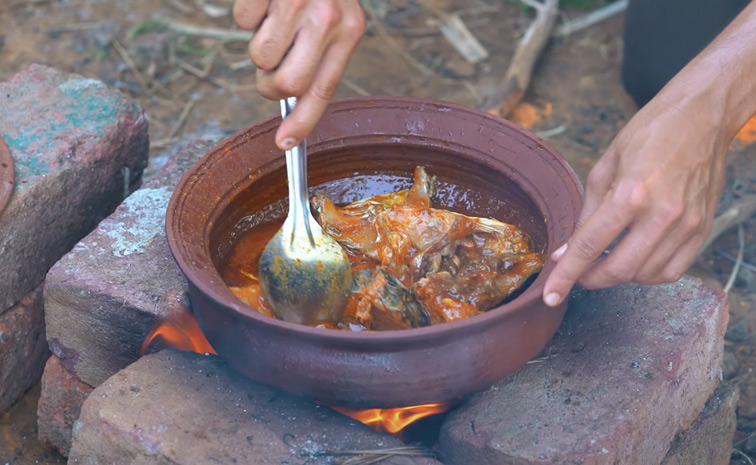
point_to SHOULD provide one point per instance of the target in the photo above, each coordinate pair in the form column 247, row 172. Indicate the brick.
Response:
column 709, row 440
column 23, row 349
column 630, row 367
column 185, row 408
column 103, row 297
column 78, row 147
column 59, row 405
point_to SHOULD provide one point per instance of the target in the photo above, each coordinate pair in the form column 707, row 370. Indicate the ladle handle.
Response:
column 296, row 170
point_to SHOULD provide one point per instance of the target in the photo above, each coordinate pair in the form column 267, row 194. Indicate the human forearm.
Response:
column 720, row 82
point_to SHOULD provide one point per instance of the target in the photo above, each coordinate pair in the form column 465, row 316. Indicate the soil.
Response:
column 194, row 86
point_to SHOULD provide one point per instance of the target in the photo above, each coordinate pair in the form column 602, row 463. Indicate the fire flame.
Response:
column 180, row 331
column 747, row 134
column 528, row 115
column 393, row 420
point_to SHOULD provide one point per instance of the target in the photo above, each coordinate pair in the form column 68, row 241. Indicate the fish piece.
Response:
column 354, row 225
column 385, row 304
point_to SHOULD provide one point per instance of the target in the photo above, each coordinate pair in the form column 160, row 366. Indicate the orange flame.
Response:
column 747, row 134
column 393, row 420
column 528, row 115
column 180, row 331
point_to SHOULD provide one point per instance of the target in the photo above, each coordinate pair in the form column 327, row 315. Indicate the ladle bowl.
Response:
column 485, row 165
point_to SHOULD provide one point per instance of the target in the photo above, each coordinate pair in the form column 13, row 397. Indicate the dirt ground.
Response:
column 196, row 86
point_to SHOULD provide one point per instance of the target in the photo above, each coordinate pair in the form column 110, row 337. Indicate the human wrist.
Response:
column 720, row 83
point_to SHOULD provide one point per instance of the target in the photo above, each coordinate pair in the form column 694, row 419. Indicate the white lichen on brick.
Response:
column 143, row 220
column 81, row 84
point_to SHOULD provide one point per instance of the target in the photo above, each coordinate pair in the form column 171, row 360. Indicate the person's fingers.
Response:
column 274, row 37
column 629, row 256
column 297, row 71
column 584, row 247
column 311, row 105
column 248, row 14
column 651, row 272
column 598, row 184
column 686, row 244
column 680, row 261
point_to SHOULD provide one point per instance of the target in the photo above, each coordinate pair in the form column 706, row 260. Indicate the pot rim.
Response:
column 529, row 296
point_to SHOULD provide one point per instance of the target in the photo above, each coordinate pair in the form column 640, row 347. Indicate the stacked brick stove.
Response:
column 632, row 377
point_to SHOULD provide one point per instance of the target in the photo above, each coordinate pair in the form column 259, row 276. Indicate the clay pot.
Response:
column 7, row 175
column 365, row 146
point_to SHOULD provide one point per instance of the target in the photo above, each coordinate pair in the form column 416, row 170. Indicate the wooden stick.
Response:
column 517, row 78
column 228, row 35
column 594, row 17
column 740, row 211
column 462, row 39
column 182, row 118
column 131, row 65
column 738, row 262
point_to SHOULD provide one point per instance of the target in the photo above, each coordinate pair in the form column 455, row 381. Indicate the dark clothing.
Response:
column 662, row 36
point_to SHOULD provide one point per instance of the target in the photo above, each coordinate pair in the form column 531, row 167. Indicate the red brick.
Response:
column 23, row 349
column 185, row 408
column 59, row 405
column 103, row 297
column 630, row 367
column 709, row 440
column 79, row 147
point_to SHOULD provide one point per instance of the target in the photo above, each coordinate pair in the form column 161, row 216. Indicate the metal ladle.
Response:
column 304, row 274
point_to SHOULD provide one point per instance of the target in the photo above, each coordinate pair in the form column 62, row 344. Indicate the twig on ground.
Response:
column 732, row 258
column 236, row 66
column 354, row 87
column 182, row 118
column 738, row 262
column 545, row 134
column 365, row 457
column 131, row 65
column 203, row 74
column 213, row 11
column 740, row 211
column 384, row 34
column 518, row 75
column 228, row 35
column 743, row 454
column 591, row 18
column 539, row 360
column 180, row 6
column 462, row 39
column 163, row 143
column 72, row 27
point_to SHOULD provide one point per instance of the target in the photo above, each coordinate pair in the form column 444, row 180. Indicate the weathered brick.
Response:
column 709, row 440
column 102, row 298
column 184, row 408
column 630, row 367
column 59, row 405
column 78, row 147
column 23, row 349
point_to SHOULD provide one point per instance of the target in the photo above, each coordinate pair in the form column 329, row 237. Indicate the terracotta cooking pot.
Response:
column 486, row 166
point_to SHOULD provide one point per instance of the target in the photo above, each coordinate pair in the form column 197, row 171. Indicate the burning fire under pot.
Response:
column 181, row 331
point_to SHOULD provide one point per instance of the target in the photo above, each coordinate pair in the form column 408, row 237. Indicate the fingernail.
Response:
column 552, row 299
column 559, row 252
column 288, row 143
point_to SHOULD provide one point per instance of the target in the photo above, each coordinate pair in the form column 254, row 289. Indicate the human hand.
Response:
column 660, row 183
column 300, row 49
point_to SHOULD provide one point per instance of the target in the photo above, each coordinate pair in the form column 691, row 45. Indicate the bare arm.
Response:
column 662, row 177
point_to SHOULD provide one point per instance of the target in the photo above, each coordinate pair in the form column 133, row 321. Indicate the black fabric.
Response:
column 662, row 36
